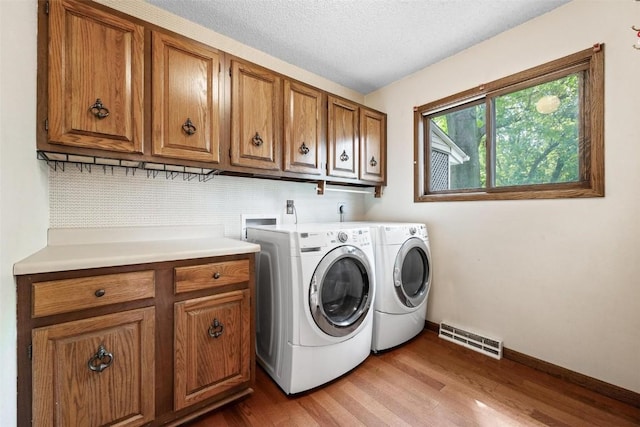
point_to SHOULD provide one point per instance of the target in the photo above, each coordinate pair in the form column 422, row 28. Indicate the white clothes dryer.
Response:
column 315, row 290
column 403, row 277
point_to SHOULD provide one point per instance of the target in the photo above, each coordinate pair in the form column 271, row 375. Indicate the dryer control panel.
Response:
column 398, row 234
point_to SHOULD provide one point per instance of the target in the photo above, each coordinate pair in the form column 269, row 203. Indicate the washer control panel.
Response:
column 314, row 240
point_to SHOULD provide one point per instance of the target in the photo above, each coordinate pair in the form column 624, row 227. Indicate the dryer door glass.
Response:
column 340, row 292
column 412, row 272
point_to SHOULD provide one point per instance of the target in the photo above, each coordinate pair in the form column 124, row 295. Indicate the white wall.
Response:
column 23, row 182
column 556, row 279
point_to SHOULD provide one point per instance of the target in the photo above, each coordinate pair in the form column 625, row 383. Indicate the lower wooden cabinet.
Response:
column 212, row 345
column 147, row 344
column 95, row 371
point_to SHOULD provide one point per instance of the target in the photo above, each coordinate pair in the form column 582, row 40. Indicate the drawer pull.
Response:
column 344, row 156
column 100, row 293
column 257, row 140
column 188, row 127
column 101, row 360
column 216, row 329
column 99, row 110
column 216, row 275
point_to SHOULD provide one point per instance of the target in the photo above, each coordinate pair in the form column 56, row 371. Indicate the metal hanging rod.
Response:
column 57, row 162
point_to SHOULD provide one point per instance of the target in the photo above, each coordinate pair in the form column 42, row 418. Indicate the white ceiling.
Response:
column 360, row 44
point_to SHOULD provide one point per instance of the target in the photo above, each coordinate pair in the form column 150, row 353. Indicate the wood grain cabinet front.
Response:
column 96, row 371
column 96, row 78
column 256, row 117
column 342, row 138
column 65, row 295
column 212, row 346
column 304, row 146
column 186, row 99
column 211, row 276
column 373, row 145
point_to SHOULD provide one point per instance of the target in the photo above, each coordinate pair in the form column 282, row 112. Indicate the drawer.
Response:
column 62, row 296
column 212, row 275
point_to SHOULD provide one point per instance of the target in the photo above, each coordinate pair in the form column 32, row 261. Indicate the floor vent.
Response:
column 484, row 345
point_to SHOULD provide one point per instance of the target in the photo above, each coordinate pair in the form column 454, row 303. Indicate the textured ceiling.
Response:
column 360, row 44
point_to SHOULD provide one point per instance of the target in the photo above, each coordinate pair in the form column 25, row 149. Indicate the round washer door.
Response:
column 412, row 272
column 341, row 291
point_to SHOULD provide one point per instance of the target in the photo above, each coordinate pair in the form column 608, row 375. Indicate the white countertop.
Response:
column 75, row 249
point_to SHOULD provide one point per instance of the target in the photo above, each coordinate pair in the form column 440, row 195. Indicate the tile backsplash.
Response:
column 113, row 198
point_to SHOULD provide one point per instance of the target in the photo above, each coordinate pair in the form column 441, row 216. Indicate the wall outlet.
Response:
column 289, row 207
column 342, row 207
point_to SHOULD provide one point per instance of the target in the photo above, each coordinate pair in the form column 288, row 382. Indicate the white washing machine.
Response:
column 403, row 279
column 315, row 290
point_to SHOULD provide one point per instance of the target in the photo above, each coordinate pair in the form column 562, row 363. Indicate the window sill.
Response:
column 569, row 193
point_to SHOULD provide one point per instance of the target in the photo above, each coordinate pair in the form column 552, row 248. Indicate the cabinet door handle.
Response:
column 216, row 275
column 99, row 110
column 216, row 328
column 304, row 150
column 100, row 293
column 101, row 360
column 373, row 161
column 188, row 127
column 344, row 156
column 257, row 140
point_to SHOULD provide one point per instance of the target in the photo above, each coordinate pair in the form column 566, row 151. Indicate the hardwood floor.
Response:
column 429, row 382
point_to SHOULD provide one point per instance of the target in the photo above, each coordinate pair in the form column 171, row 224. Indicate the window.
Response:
column 535, row 134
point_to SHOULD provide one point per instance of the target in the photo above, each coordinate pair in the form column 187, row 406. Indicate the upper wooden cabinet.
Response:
column 373, row 145
column 357, row 142
column 304, row 146
column 115, row 90
column 256, row 116
column 95, row 78
column 186, row 99
column 342, row 138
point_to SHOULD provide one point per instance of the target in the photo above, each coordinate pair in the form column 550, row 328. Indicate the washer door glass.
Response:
column 412, row 272
column 340, row 291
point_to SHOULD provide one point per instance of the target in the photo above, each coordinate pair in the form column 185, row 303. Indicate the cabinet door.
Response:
column 212, row 346
column 95, row 371
column 343, row 138
column 303, row 144
column 95, row 78
column 373, row 142
column 256, row 117
column 186, row 103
